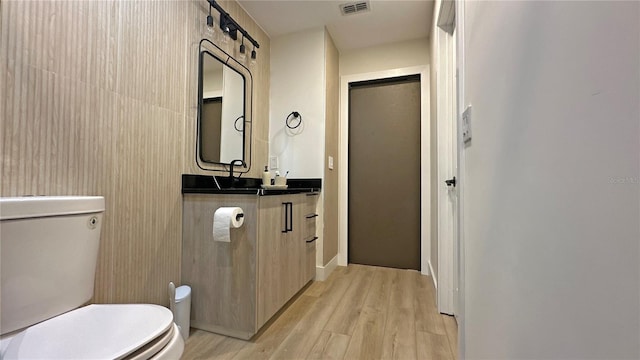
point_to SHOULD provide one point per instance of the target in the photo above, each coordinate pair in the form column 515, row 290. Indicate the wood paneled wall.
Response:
column 330, row 186
column 98, row 98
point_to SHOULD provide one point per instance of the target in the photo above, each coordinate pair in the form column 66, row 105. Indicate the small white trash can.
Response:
column 182, row 309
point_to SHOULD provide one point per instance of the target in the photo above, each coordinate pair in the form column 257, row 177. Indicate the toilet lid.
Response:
column 92, row 332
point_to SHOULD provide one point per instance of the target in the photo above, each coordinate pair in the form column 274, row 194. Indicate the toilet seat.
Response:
column 110, row 331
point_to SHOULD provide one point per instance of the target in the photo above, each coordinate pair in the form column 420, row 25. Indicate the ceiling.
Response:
column 388, row 20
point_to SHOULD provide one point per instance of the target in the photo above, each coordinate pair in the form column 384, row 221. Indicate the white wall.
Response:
column 298, row 83
column 385, row 57
column 552, row 180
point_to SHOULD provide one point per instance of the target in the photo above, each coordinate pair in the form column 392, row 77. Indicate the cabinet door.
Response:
column 282, row 252
column 221, row 274
column 271, row 250
column 296, row 250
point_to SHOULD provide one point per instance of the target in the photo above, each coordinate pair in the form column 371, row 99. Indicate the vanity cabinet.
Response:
column 238, row 286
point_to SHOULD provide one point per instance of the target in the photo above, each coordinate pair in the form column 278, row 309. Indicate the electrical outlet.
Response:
column 466, row 125
column 273, row 162
column 330, row 162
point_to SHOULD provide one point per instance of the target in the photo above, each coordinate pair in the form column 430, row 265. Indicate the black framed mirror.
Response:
column 224, row 110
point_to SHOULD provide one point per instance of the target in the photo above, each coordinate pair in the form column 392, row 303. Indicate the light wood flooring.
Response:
column 360, row 312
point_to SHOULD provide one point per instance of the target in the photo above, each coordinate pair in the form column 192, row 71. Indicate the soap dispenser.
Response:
column 266, row 177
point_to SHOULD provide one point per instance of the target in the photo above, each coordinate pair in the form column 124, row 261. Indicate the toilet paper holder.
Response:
column 224, row 220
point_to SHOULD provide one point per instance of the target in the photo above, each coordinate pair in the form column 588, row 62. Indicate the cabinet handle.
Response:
column 290, row 216
column 286, row 217
column 312, row 240
column 312, row 216
column 313, row 194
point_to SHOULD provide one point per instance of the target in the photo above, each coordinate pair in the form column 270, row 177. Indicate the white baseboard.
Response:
column 433, row 276
column 323, row 272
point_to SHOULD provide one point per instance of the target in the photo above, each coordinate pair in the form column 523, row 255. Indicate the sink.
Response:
column 236, row 184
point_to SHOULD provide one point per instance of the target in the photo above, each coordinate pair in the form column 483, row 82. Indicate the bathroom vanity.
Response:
column 239, row 285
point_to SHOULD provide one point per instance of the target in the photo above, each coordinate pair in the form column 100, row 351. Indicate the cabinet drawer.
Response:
column 309, row 228
column 311, row 199
column 310, row 263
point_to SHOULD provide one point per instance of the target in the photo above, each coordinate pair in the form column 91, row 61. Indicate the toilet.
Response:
column 48, row 255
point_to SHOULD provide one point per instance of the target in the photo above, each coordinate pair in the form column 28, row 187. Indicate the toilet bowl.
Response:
column 136, row 331
column 49, row 248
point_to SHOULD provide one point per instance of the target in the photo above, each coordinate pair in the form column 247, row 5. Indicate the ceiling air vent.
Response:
column 354, row 7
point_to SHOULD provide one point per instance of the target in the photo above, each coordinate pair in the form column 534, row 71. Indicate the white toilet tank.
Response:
column 48, row 254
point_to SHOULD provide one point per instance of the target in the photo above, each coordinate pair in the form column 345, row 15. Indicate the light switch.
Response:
column 330, row 162
column 466, row 125
column 273, row 162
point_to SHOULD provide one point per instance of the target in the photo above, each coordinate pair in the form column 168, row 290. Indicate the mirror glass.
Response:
column 221, row 116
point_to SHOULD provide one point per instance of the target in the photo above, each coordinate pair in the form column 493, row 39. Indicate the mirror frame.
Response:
column 211, row 49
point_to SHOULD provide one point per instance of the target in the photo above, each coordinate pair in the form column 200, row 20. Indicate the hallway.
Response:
column 360, row 312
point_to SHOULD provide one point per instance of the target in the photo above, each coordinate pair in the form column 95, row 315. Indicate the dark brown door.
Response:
column 210, row 126
column 384, row 173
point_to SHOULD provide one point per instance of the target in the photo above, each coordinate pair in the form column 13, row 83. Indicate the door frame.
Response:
column 446, row 168
column 425, row 160
column 448, row 165
column 460, row 107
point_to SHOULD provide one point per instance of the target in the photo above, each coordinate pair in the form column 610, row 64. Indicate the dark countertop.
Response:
column 205, row 184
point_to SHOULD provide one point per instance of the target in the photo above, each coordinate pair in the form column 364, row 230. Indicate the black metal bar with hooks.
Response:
column 227, row 21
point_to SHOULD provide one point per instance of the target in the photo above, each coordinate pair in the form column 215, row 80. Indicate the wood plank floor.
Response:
column 360, row 312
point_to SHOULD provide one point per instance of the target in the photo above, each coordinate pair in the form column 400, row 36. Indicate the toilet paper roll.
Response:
column 225, row 219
